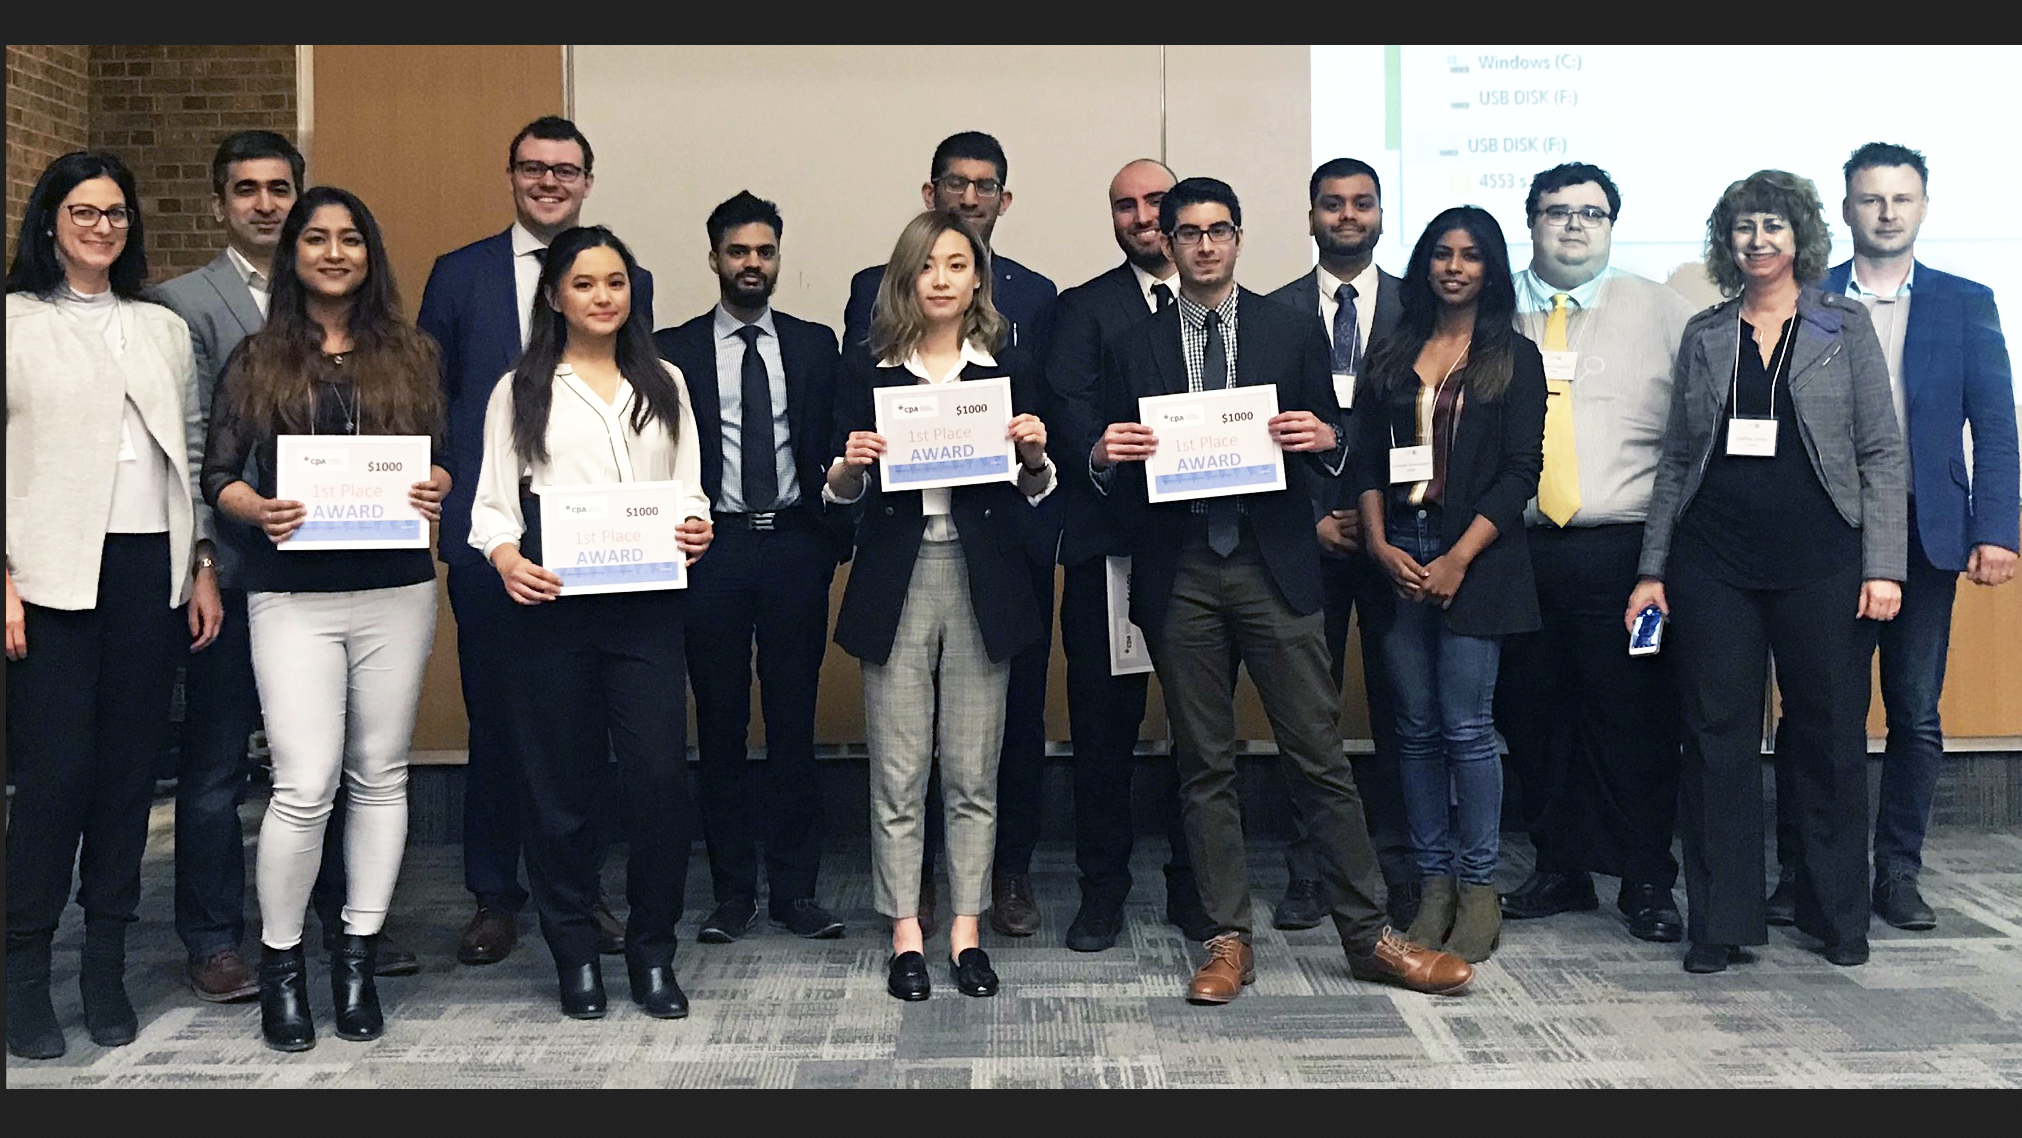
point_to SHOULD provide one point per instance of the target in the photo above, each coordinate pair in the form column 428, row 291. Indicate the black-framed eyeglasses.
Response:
column 1221, row 232
column 567, row 173
column 86, row 216
column 955, row 185
column 1560, row 214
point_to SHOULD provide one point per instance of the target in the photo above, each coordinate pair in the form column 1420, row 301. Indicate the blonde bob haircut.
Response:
column 897, row 322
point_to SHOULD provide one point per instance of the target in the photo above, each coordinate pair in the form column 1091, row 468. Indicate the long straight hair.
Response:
column 898, row 324
column 655, row 394
column 36, row 268
column 392, row 364
column 1394, row 358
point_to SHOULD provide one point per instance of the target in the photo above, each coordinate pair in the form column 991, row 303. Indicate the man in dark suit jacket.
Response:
column 1215, row 577
column 1346, row 219
column 967, row 178
column 1948, row 364
column 762, row 385
column 476, row 305
column 1104, row 712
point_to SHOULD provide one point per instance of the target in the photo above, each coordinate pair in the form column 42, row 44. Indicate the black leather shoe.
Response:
column 656, row 992
column 1096, row 925
column 1848, row 954
column 1403, row 902
column 352, row 990
column 728, row 921
column 582, row 990
column 1898, row 902
column 804, row 918
column 1652, row 914
column 906, row 976
column 284, row 1000
column 1304, row 906
column 392, row 960
column 1709, row 958
column 108, row 1014
column 973, row 974
column 1781, row 906
column 1546, row 894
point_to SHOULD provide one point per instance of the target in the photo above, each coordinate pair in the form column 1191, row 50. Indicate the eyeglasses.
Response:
column 1221, row 231
column 1561, row 214
column 956, row 184
column 567, row 173
column 86, row 216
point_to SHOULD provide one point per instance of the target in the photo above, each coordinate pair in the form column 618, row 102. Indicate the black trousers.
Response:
column 1105, row 714
column 770, row 587
column 1722, row 637
column 590, row 676
column 491, row 793
column 87, row 714
column 1592, row 730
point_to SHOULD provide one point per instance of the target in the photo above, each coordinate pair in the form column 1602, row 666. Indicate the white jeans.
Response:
column 340, row 678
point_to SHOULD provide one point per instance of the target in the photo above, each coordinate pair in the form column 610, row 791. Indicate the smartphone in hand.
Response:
column 1648, row 635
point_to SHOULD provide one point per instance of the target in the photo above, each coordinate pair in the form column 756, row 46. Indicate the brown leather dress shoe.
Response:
column 1397, row 961
column 1013, row 910
column 490, row 937
column 223, row 976
column 1231, row 964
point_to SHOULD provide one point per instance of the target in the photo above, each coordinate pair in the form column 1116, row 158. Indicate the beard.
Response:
column 744, row 294
column 1151, row 259
column 1330, row 247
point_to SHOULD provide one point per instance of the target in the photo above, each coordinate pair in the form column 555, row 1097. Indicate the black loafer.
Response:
column 1096, row 926
column 1653, row 915
column 1848, row 954
column 582, row 987
column 804, row 918
column 1547, row 894
column 1705, row 959
column 656, row 992
column 973, row 974
column 1304, row 905
column 906, row 976
column 728, row 921
column 1898, row 902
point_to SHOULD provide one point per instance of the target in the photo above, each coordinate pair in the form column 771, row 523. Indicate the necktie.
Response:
column 1162, row 295
column 1347, row 333
column 1559, row 484
column 1222, row 523
column 755, row 439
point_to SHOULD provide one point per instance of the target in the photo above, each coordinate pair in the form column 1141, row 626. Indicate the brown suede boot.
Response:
column 1477, row 924
column 1435, row 913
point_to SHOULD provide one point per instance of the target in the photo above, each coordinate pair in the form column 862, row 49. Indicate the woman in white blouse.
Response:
column 939, row 599
column 589, row 404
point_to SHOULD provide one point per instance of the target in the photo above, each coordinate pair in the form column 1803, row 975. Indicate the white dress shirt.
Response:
column 256, row 279
column 1366, row 283
column 1145, row 281
column 526, row 276
column 1891, row 314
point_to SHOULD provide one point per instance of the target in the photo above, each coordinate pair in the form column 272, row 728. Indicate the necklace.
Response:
column 347, row 405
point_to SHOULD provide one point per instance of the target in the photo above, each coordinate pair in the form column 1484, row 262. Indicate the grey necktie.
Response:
column 1347, row 333
column 755, row 441
column 1223, row 532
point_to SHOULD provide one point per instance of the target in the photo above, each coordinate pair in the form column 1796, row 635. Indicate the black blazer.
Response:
column 1273, row 345
column 1303, row 294
column 811, row 356
column 1086, row 319
column 992, row 521
column 1492, row 470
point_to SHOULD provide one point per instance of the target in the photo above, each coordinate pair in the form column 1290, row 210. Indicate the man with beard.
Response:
column 1104, row 712
column 762, row 385
column 1356, row 303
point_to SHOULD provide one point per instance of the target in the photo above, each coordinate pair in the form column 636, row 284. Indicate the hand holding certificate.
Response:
column 351, row 492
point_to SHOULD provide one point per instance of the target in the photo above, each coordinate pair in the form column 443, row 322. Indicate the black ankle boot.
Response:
column 108, row 1014
column 352, row 990
column 32, row 1030
column 655, row 990
column 582, row 987
column 284, row 1000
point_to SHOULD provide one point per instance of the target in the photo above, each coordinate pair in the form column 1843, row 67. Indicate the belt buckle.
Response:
column 764, row 522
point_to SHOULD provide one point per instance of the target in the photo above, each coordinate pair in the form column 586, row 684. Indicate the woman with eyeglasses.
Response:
column 340, row 636
column 105, row 541
column 1445, row 465
column 939, row 599
column 1778, row 528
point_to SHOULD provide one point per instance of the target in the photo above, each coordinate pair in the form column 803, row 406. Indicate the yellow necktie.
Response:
column 1559, row 484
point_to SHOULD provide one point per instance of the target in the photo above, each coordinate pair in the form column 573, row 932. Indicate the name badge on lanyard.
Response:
column 1561, row 365
column 1344, row 389
column 1411, row 464
column 1751, row 438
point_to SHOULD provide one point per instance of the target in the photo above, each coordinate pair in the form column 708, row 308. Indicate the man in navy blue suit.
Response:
column 1949, row 367
column 967, row 177
column 476, row 305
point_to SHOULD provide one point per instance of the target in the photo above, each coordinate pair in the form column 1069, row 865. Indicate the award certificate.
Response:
column 616, row 538
column 946, row 434
column 1212, row 443
column 1127, row 653
column 355, row 488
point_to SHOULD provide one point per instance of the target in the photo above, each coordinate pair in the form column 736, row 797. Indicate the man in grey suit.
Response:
column 1355, row 302
column 256, row 175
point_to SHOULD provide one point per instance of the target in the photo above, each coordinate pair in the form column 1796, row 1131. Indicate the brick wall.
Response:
column 47, row 116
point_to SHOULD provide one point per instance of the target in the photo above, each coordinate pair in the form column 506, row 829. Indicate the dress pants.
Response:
column 1223, row 608
column 87, row 714
column 1592, row 730
column 1021, row 767
column 1104, row 715
column 771, row 586
column 1721, row 636
column 589, row 676
column 491, row 790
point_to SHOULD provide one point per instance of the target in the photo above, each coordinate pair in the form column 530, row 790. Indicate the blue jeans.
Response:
column 1913, row 648
column 1445, row 695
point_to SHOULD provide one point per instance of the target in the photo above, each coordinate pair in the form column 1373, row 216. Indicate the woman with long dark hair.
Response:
column 104, row 541
column 590, row 403
column 939, row 600
column 340, row 637
column 1451, row 443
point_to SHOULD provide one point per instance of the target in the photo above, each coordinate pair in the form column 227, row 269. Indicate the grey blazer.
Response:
column 215, row 302
column 1839, row 383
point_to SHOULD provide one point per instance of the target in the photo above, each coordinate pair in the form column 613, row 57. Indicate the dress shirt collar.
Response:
column 1859, row 291
column 1146, row 280
column 524, row 241
column 972, row 353
column 727, row 325
column 253, row 278
column 1195, row 315
column 1535, row 294
column 1365, row 282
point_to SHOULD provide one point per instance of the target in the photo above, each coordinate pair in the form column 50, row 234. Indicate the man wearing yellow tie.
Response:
column 1592, row 731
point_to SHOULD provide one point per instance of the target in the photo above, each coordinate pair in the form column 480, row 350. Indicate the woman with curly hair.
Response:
column 1777, row 528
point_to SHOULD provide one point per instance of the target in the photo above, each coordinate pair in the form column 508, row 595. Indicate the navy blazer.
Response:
column 1086, row 320
column 1023, row 296
column 811, row 355
column 992, row 521
column 468, row 306
column 1274, row 345
column 1955, row 373
column 1303, row 294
